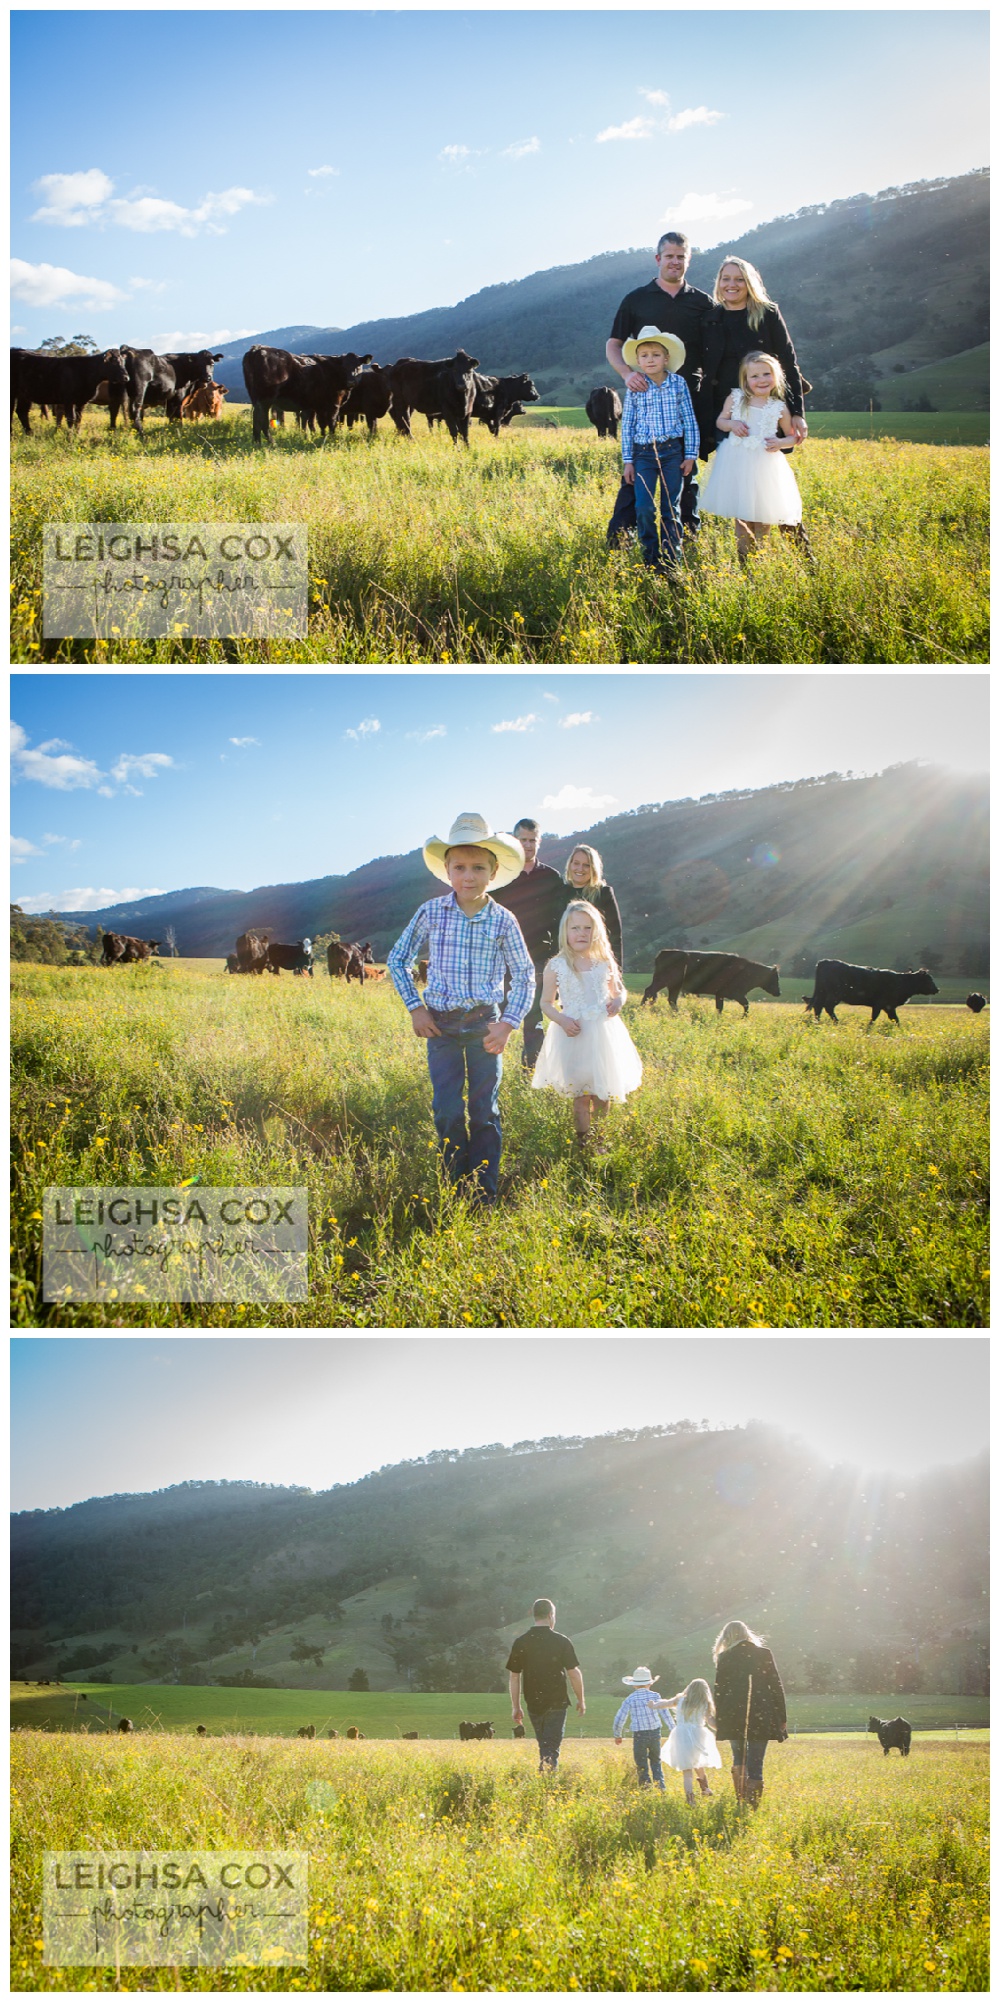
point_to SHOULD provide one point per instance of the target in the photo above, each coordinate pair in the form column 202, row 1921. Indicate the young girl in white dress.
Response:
column 588, row 1054
column 691, row 1745
column 749, row 477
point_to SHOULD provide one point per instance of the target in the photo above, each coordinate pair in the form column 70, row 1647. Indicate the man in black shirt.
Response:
column 543, row 1660
column 536, row 899
column 670, row 303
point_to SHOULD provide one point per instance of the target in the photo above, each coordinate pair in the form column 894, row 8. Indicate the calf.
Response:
column 896, row 1732
column 836, row 983
column 604, row 408
column 205, row 401
column 726, row 975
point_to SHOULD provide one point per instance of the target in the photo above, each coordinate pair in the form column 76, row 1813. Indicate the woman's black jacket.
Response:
column 605, row 901
column 728, row 337
column 743, row 1671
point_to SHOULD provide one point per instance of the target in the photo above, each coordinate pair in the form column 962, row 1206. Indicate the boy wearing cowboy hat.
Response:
column 659, row 442
column 469, row 943
column 642, row 1709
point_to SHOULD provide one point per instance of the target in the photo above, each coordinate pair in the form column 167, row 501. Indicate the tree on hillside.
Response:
column 305, row 1651
column 358, row 1680
column 81, row 344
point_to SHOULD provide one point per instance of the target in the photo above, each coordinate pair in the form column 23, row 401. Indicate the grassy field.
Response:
column 421, row 552
column 961, row 382
column 917, row 427
column 180, row 1707
column 461, row 1869
column 769, row 1173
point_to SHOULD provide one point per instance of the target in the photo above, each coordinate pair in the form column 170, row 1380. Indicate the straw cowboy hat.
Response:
column 470, row 830
column 642, row 1679
column 672, row 347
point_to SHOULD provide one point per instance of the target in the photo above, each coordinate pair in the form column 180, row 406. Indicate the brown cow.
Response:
column 353, row 1732
column 120, row 950
column 251, row 951
column 205, row 401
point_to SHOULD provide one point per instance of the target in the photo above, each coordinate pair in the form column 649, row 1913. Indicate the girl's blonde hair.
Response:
column 696, row 1701
column 601, row 944
column 758, row 299
column 731, row 1635
column 780, row 388
column 596, row 865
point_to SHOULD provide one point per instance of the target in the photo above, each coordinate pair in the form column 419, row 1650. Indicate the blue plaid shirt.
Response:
column 642, row 1711
column 467, row 958
column 664, row 410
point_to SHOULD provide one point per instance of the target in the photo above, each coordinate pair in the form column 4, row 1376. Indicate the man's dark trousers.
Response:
column 548, row 1728
column 533, row 1026
column 623, row 517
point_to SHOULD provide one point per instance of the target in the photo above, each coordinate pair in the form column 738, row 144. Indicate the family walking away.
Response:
column 539, row 1666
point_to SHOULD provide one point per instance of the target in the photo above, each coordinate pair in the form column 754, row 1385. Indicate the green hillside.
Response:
column 960, row 382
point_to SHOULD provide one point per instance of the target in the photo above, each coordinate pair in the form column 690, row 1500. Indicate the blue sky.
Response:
column 128, row 784
column 173, row 185
column 117, row 1416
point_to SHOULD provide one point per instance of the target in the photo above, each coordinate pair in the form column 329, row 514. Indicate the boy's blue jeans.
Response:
column 470, row 1144
column 646, row 1753
column 660, row 542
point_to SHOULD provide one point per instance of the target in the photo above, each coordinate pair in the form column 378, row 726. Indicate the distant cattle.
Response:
column 499, row 397
column 232, row 963
column 411, row 1734
column 445, row 389
column 306, row 1731
column 894, row 1734
column 200, row 1731
column 251, row 951
column 837, row 984
column 161, row 382
column 333, row 1734
column 205, row 401
column 727, row 975
column 125, row 1724
column 976, row 1002
column 604, row 408
column 120, row 950
column 316, row 385
column 374, row 972
column 347, row 962
column 467, row 1732
column 295, row 958
column 519, row 1730
column 353, row 1732
column 68, row 381
column 368, row 398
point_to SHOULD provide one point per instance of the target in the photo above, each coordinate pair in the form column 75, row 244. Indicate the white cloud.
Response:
column 242, row 742
column 88, row 899
column 147, row 284
column 425, row 736
column 53, row 285
column 18, row 330
column 63, row 840
column 547, row 697
column 574, row 799
column 521, row 723
column 179, row 338
column 21, row 850
column 456, row 156
column 71, row 200
column 658, row 97
column 634, row 128
column 521, row 149
column 106, row 792
column 701, row 116
column 579, row 716
column 315, row 172
column 369, row 728
column 147, row 765
column 50, row 764
column 705, row 208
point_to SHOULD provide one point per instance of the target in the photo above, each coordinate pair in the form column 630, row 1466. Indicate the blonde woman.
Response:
column 749, row 1705
column 745, row 319
column 588, row 1054
column 584, row 879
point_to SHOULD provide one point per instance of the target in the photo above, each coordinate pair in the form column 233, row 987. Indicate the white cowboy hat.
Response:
column 470, row 830
column 642, row 1679
column 673, row 348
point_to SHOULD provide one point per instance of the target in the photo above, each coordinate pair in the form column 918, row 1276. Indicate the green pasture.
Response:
column 945, row 426
column 443, row 1869
column 768, row 1173
column 423, row 552
column 960, row 382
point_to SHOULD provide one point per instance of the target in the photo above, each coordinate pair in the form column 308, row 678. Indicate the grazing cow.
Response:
column 306, row 1731
column 411, row 1734
column 206, row 401
column 353, row 1732
column 200, row 1731
column 519, row 1730
column 251, row 951
column 374, row 972
column 445, row 389
column 727, row 975
column 296, row 958
column 161, row 382
column 976, row 1002
column 468, row 1732
column 68, row 381
column 125, row 1724
column 333, row 1734
column 232, row 963
column 498, row 398
column 277, row 380
column 604, row 408
column 120, row 950
column 368, row 398
column 347, row 962
column 835, row 983
column 896, row 1732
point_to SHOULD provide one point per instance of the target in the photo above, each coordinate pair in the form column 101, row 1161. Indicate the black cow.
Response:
column 368, row 398
column 727, row 975
column 411, row 1734
column 467, row 1732
column 519, row 1731
column 347, row 962
column 295, row 958
column 200, row 1731
column 306, row 1731
column 120, row 950
column 160, row 382
column 67, row 380
column 976, row 1002
column 277, row 380
column 498, row 398
column 835, row 983
column 125, row 1724
column 232, row 963
column 445, row 389
column 251, row 951
column 897, row 1732
column 604, row 408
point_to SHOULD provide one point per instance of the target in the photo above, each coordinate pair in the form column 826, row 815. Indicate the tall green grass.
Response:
column 768, row 1173
column 461, row 1869
column 423, row 552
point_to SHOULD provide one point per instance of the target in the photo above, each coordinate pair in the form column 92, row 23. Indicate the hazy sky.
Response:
column 331, row 166
column 104, row 1416
column 129, row 784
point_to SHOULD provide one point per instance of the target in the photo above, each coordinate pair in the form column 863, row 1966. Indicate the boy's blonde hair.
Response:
column 780, row 389
column 696, row 1701
column 758, row 299
column 601, row 943
column 732, row 1633
column 596, row 865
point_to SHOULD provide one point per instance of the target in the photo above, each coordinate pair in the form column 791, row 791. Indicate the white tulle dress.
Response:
column 602, row 1058
column 689, row 1745
column 744, row 479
